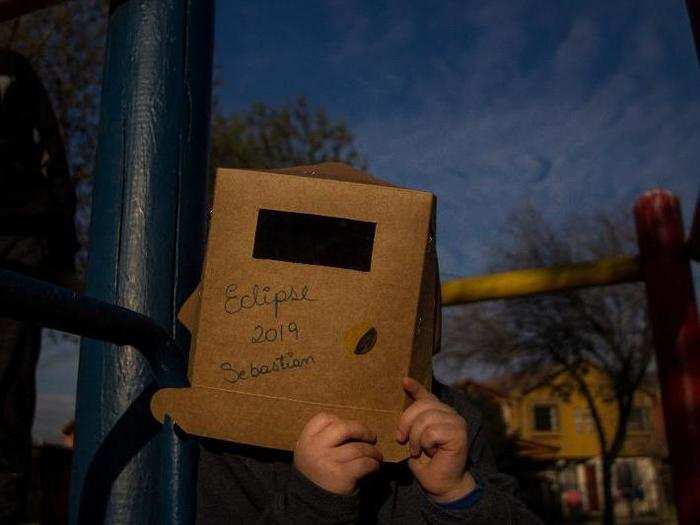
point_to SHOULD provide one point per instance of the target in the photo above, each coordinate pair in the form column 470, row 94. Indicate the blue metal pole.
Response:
column 146, row 237
column 177, row 471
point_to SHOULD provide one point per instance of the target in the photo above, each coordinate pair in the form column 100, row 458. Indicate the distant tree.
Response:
column 65, row 46
column 606, row 326
column 277, row 137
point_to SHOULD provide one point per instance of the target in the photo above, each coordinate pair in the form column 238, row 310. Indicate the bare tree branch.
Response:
column 603, row 327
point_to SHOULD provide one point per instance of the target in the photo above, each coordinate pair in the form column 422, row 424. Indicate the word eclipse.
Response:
column 261, row 295
column 279, row 364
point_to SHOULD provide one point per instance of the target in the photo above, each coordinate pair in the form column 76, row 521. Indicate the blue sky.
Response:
column 572, row 106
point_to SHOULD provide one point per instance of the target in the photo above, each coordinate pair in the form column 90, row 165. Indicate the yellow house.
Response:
column 550, row 420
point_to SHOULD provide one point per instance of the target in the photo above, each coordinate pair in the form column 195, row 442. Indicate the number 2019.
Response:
column 276, row 333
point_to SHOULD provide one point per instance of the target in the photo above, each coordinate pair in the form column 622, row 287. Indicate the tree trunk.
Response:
column 608, row 502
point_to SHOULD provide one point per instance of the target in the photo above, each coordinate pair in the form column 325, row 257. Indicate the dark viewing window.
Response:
column 314, row 239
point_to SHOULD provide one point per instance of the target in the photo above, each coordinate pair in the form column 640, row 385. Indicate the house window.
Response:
column 639, row 419
column 546, row 418
column 628, row 480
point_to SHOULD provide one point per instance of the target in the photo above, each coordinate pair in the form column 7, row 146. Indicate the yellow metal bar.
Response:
column 540, row 280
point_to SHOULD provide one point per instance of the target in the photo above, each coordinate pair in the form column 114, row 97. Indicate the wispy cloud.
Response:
column 587, row 121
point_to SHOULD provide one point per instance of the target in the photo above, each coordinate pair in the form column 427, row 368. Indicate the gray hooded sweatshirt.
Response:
column 240, row 484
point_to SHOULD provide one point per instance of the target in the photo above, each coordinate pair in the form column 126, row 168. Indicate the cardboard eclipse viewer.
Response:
column 318, row 294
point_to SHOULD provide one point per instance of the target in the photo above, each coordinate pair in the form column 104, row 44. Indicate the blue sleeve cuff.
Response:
column 467, row 501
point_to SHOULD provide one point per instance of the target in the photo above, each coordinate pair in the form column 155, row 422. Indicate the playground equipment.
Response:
column 663, row 265
column 146, row 235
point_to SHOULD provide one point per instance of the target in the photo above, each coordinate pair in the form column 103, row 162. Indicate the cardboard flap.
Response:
column 290, row 418
column 189, row 313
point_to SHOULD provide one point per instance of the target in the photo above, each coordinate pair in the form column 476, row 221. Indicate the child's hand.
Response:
column 437, row 438
column 335, row 454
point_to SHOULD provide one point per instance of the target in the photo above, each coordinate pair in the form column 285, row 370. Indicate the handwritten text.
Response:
column 261, row 295
column 279, row 364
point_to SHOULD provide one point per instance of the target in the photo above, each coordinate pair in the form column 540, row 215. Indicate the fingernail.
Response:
column 399, row 436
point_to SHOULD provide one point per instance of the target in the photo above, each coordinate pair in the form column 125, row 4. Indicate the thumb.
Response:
column 415, row 390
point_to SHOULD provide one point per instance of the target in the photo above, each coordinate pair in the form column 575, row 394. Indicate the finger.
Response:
column 449, row 437
column 341, row 431
column 317, row 423
column 352, row 451
column 430, row 418
column 415, row 390
column 360, row 467
column 412, row 412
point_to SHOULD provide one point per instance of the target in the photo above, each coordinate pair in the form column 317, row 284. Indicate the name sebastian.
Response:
column 279, row 364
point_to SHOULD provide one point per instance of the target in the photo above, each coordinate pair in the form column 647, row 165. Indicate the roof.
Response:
column 506, row 385
column 523, row 382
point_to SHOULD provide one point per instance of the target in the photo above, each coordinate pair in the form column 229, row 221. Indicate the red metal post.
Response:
column 693, row 7
column 694, row 238
column 676, row 329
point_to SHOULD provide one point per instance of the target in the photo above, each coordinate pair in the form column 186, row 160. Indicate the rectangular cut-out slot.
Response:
column 314, row 239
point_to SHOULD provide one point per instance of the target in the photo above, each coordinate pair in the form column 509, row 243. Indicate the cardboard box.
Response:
column 319, row 293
